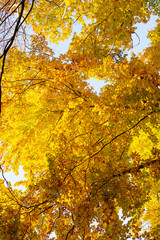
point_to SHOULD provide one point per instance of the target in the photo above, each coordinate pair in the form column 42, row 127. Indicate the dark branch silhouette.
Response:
column 12, row 30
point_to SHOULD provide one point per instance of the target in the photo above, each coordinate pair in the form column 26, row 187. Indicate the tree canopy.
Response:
column 91, row 161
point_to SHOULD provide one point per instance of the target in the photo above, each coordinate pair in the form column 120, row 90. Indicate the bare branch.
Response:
column 9, row 43
column 71, row 230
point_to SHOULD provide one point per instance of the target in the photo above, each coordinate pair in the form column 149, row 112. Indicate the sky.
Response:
column 142, row 31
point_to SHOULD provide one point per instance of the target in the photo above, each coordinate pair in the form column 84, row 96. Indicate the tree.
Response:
column 12, row 17
column 85, row 156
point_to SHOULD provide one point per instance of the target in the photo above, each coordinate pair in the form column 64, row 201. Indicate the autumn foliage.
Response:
column 91, row 161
